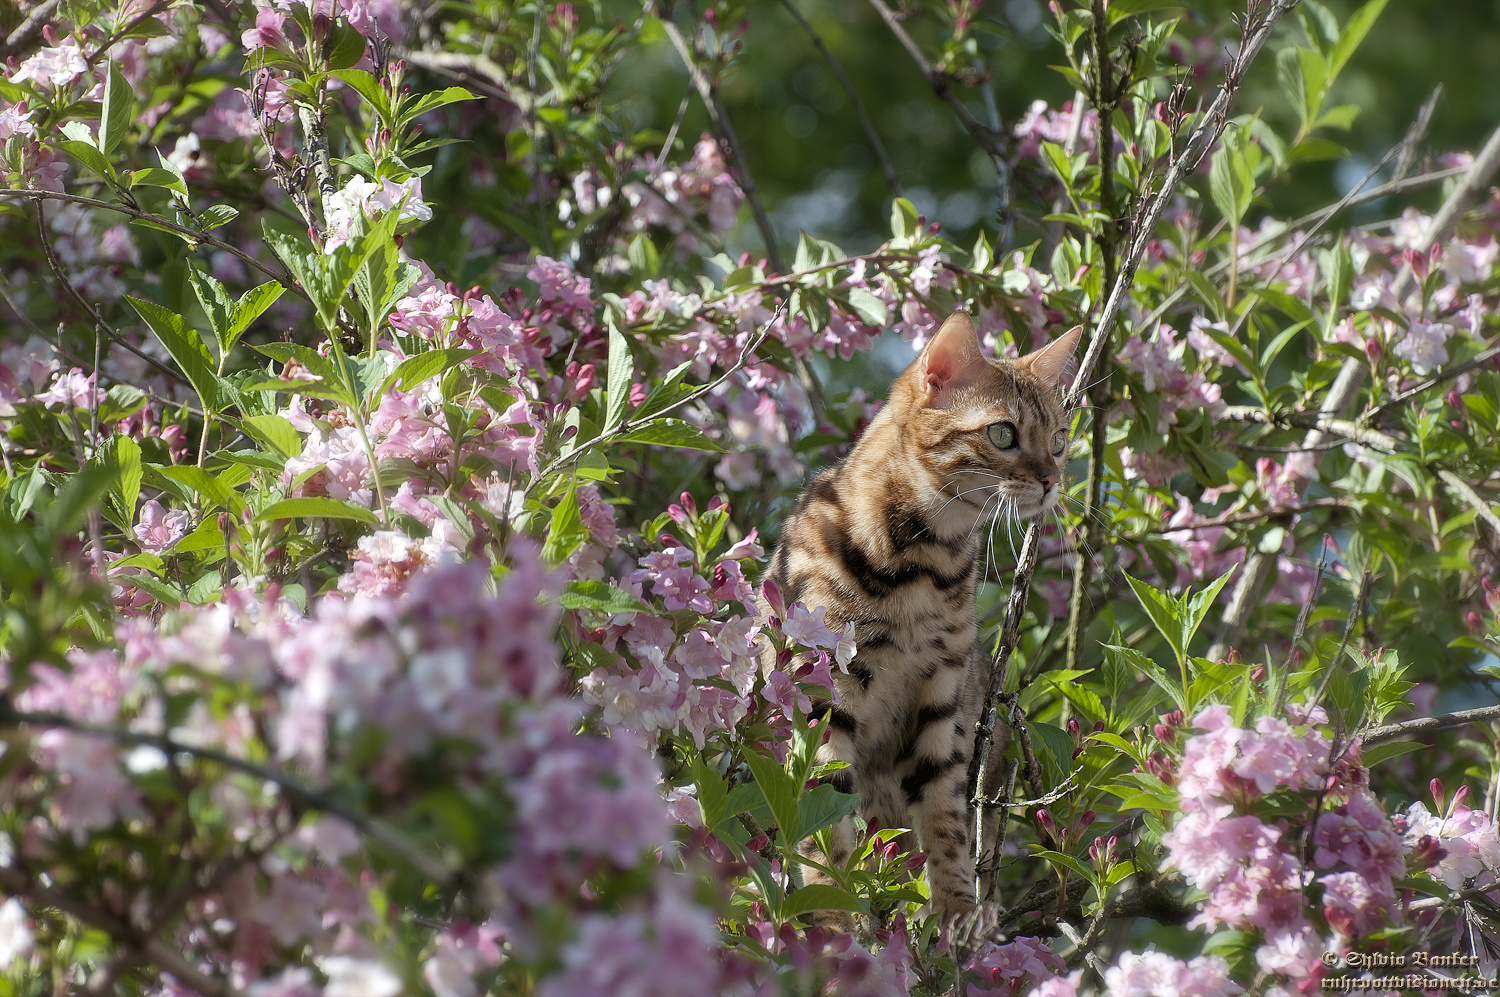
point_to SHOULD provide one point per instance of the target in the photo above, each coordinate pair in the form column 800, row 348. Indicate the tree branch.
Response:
column 1426, row 725
column 940, row 82
column 891, row 178
column 31, row 27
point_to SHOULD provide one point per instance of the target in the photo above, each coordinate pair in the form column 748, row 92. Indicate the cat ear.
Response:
column 952, row 359
column 1053, row 363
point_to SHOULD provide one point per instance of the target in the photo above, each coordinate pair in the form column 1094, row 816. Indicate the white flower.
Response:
column 15, row 937
column 1424, row 345
column 351, row 977
column 55, row 66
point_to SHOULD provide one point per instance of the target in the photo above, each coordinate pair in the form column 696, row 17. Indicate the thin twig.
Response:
column 1446, row 374
column 285, row 280
column 941, row 84
column 99, row 324
column 15, row 880
column 711, row 103
column 891, row 178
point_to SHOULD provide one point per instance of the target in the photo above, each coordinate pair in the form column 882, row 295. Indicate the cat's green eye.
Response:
column 1003, row 435
column 1059, row 442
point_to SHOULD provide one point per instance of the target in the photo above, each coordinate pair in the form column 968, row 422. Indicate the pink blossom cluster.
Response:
column 1155, row 974
column 1043, row 124
column 663, row 680
column 1014, row 967
column 836, row 962
column 447, row 661
column 1159, row 363
column 1254, row 872
column 1458, row 843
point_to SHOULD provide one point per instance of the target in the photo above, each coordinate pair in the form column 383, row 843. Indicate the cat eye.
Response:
column 1059, row 442
column 1003, row 435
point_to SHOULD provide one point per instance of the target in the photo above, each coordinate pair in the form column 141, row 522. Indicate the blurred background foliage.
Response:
column 816, row 171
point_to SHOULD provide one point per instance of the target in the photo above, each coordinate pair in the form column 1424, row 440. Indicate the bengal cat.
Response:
column 888, row 539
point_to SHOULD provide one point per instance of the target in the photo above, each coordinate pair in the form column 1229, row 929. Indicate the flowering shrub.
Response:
column 389, row 467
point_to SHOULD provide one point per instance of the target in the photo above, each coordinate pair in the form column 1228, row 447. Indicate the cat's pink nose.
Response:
column 1048, row 481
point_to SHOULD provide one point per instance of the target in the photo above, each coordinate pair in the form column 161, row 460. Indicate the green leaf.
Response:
column 89, row 156
column 215, row 301
column 345, row 46
column 601, row 596
column 566, row 532
column 1164, row 612
column 712, row 791
column 186, row 347
column 155, row 176
column 1354, row 32
column 316, row 507
column 276, row 432
column 1229, row 180
column 1197, row 608
column 121, row 456
column 820, row 896
column 870, row 309
column 1063, row 859
column 116, row 114
column 199, row 480
column 1384, row 752
column 903, row 219
column 369, row 88
column 670, row 433
column 621, row 370
column 1059, row 745
column 779, row 792
column 822, row 806
column 432, row 101
column 332, row 384
column 216, row 215
column 251, row 305
column 424, row 366
column 668, row 391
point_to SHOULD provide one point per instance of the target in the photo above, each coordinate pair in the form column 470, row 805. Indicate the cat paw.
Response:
column 970, row 929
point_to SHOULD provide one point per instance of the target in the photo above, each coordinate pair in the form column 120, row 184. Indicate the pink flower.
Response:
column 267, row 32
column 1155, row 974
column 156, row 529
column 15, row 119
column 72, row 390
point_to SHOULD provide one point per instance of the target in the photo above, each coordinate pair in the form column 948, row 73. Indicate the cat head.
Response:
column 992, row 435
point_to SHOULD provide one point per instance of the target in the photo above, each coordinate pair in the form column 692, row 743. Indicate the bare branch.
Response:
column 31, row 27
column 891, row 178
column 1426, row 725
column 941, row 84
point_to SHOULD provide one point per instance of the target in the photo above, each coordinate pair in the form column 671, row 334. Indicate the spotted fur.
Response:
column 888, row 539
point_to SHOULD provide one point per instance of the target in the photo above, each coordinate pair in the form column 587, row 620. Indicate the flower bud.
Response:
column 916, row 860
column 891, row 851
column 757, row 843
column 1438, row 797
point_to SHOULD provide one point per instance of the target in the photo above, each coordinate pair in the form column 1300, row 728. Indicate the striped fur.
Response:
column 888, row 539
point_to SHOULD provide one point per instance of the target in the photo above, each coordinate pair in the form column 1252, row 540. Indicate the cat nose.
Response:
column 1048, row 480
